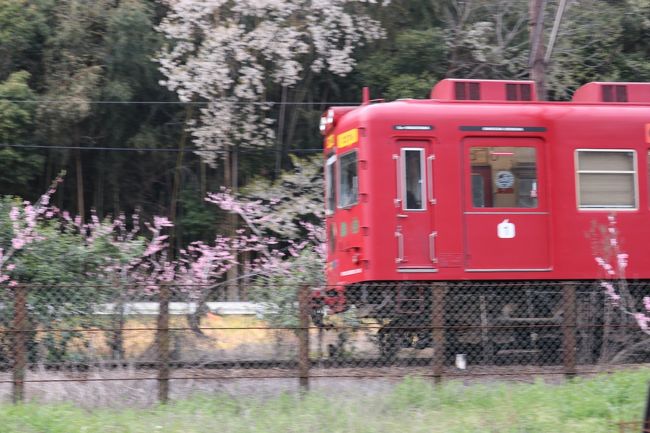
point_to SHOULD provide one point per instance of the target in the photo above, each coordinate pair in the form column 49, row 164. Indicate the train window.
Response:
column 606, row 179
column 330, row 189
column 504, row 177
column 348, row 180
column 412, row 179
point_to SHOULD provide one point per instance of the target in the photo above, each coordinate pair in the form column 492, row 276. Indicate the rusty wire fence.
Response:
column 102, row 345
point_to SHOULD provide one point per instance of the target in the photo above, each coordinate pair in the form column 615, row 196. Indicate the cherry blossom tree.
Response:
column 230, row 54
column 117, row 260
column 285, row 219
column 613, row 261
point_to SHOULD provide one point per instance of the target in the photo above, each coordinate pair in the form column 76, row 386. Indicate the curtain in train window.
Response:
column 412, row 179
column 348, row 180
column 606, row 179
column 330, row 189
column 504, row 177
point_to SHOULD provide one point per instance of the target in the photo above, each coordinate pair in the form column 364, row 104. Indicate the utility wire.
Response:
column 145, row 149
column 67, row 101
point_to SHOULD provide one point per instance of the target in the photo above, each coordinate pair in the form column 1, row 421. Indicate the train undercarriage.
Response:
column 527, row 322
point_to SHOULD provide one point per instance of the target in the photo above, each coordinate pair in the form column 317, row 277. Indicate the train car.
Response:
column 480, row 186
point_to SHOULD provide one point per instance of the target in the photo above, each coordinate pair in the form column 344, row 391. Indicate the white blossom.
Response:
column 229, row 53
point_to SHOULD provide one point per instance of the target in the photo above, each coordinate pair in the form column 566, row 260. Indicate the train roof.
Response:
column 452, row 98
column 494, row 103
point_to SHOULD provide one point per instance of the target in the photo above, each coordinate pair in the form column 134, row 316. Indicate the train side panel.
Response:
column 489, row 191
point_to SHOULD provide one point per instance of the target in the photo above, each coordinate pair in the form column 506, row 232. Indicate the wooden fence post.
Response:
column 569, row 328
column 19, row 343
column 438, row 330
column 303, row 337
column 163, row 343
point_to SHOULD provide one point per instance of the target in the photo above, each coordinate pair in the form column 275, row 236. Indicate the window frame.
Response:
column 339, row 174
column 423, row 179
column 330, row 162
column 634, row 172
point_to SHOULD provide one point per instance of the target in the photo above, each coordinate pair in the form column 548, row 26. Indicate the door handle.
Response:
column 398, row 186
column 400, row 247
column 401, row 215
column 432, row 247
column 430, row 194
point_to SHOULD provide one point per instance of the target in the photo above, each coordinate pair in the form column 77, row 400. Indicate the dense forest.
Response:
column 149, row 105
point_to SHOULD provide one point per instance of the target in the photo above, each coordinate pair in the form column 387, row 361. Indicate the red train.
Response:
column 481, row 183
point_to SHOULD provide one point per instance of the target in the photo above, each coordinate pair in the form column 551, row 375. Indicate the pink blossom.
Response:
column 611, row 292
column 18, row 243
column 642, row 321
column 160, row 222
column 646, row 302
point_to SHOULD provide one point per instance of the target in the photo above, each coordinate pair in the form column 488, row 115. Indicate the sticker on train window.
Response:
column 504, row 177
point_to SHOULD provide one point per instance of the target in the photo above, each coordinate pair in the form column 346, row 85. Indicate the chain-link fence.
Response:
column 141, row 344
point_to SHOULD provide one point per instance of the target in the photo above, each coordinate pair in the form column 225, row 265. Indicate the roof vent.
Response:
column 638, row 93
column 467, row 91
column 484, row 90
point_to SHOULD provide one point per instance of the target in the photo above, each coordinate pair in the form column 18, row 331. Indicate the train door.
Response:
column 414, row 200
column 506, row 218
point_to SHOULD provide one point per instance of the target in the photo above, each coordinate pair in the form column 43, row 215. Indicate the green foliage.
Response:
column 584, row 405
column 196, row 219
column 17, row 167
column 15, row 118
column 410, row 68
column 295, row 196
column 23, row 27
column 63, row 268
column 580, row 57
column 293, row 199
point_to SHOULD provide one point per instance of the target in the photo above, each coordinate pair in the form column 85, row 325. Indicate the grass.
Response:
column 583, row 405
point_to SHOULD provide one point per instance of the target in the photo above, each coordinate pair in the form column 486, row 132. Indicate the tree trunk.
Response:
column 116, row 191
column 80, row 186
column 280, row 135
column 98, row 200
column 176, row 186
column 293, row 123
column 230, row 179
column 203, row 179
column 537, row 64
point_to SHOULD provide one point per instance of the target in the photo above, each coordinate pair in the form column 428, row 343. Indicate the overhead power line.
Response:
column 68, row 101
column 145, row 149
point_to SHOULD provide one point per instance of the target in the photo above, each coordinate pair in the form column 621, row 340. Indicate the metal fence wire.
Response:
column 145, row 344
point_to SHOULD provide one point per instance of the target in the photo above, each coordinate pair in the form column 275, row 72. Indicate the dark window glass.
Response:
column 413, row 179
column 348, row 183
column 330, row 189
